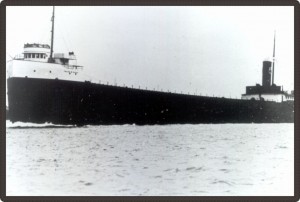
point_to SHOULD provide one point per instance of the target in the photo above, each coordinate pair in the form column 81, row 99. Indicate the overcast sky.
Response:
column 202, row 49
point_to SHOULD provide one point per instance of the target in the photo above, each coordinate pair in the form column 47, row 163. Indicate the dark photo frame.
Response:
column 163, row 101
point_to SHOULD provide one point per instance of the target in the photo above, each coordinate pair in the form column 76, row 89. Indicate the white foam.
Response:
column 10, row 124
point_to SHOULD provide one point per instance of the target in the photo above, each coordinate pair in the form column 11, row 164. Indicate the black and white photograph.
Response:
column 150, row 100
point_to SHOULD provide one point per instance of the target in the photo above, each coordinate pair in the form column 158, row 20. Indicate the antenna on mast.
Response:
column 273, row 65
column 52, row 37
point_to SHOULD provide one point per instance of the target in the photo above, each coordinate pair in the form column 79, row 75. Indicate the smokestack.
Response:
column 266, row 73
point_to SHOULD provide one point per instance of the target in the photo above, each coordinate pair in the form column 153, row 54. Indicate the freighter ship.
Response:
column 50, row 87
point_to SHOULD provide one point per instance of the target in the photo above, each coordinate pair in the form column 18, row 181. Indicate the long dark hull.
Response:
column 81, row 103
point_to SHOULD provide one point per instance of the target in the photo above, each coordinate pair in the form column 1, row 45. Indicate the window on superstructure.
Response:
column 33, row 55
column 38, row 55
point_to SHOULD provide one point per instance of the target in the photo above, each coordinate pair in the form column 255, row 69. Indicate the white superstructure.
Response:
column 34, row 63
column 281, row 97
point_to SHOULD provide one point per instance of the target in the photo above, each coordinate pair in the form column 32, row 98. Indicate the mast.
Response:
column 273, row 65
column 52, row 37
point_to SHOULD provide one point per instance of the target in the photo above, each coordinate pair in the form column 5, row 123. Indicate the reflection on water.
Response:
column 200, row 160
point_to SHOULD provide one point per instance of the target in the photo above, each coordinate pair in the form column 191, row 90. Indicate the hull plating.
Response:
column 71, row 102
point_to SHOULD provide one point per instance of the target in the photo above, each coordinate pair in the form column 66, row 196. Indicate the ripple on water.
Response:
column 123, row 190
column 224, row 170
column 119, row 175
column 221, row 182
column 281, row 147
column 199, row 191
column 41, row 160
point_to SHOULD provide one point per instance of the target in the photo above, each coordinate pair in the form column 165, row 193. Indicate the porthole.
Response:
column 50, row 71
column 34, row 71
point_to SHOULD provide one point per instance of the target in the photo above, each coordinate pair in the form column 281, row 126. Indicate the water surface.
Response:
column 178, row 160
